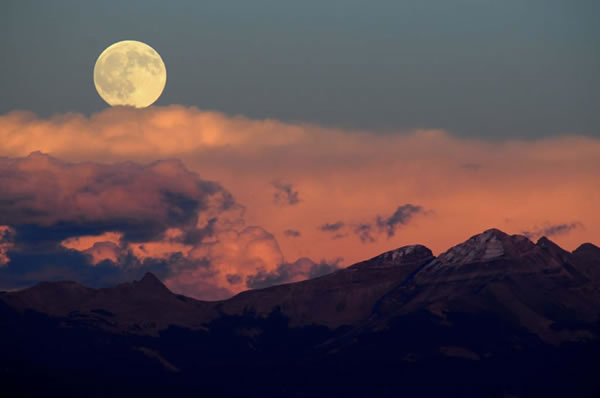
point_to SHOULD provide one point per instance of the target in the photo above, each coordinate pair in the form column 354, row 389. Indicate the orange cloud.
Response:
column 87, row 241
column 227, row 261
column 100, row 247
column 130, row 217
column 463, row 186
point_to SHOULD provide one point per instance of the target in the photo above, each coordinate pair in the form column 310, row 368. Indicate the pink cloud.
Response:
column 129, row 214
column 464, row 186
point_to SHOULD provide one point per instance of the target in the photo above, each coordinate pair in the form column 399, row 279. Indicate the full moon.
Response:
column 130, row 73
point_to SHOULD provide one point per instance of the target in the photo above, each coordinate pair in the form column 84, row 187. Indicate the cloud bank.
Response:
column 103, row 223
column 388, row 190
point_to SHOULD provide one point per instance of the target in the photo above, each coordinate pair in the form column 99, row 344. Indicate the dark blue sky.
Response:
column 485, row 68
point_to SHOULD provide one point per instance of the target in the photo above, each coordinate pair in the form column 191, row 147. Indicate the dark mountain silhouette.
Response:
column 144, row 306
column 495, row 316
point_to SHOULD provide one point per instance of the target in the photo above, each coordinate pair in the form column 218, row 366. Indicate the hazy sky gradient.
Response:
column 479, row 68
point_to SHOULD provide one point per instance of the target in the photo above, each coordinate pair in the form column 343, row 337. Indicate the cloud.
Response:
column 334, row 227
column 105, row 251
column 224, row 260
column 105, row 223
column 292, row 233
column 364, row 232
column 89, row 221
column 347, row 175
column 367, row 231
column 45, row 198
column 301, row 269
column 285, row 194
column 401, row 216
column 551, row 230
column 233, row 279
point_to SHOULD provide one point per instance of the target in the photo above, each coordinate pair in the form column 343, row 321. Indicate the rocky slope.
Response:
column 536, row 286
column 345, row 297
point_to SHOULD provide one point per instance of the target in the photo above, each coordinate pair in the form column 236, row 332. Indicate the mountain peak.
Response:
column 587, row 247
column 401, row 256
column 405, row 252
column 546, row 243
column 150, row 283
column 486, row 246
column 493, row 232
column 150, row 280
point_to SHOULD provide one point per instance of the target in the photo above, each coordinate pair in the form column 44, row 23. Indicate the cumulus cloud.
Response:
column 63, row 199
column 229, row 253
column 103, row 223
column 105, row 251
column 285, row 193
column 88, row 221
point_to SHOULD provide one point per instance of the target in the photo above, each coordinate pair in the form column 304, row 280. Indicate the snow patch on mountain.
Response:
column 401, row 252
column 397, row 257
column 483, row 247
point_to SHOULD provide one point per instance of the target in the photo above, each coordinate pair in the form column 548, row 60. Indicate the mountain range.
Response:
column 495, row 316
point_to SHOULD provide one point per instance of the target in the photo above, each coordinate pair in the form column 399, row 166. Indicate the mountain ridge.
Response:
column 348, row 296
column 497, row 315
